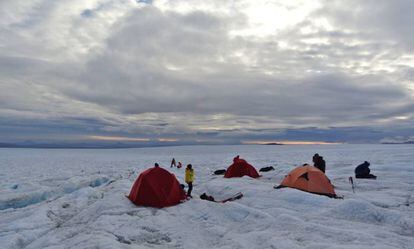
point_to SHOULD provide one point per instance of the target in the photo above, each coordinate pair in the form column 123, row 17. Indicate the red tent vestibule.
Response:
column 156, row 187
column 241, row 168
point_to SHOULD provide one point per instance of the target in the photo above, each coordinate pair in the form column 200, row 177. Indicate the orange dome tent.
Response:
column 156, row 187
column 241, row 168
column 309, row 179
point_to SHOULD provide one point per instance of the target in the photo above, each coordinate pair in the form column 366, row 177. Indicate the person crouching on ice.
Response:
column 363, row 171
column 189, row 178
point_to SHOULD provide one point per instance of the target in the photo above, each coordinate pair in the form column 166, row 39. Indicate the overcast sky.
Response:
column 206, row 71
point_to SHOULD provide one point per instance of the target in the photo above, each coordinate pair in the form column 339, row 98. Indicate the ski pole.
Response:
column 352, row 183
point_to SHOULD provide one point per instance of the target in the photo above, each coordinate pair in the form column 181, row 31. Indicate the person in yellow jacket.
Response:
column 189, row 178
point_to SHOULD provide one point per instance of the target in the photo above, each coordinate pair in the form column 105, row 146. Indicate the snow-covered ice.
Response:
column 58, row 198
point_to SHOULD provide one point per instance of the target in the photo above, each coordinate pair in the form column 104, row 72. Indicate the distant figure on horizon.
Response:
column 318, row 162
column 363, row 171
column 179, row 165
column 173, row 163
column 189, row 179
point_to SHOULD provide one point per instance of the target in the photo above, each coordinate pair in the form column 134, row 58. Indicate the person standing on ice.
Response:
column 173, row 163
column 318, row 162
column 189, row 179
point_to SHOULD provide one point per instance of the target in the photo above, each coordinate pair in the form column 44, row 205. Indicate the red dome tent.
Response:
column 241, row 168
column 156, row 187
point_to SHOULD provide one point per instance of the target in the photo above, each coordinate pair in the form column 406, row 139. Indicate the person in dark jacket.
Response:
column 318, row 162
column 315, row 158
column 363, row 171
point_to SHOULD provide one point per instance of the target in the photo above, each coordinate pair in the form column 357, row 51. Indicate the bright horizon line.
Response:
column 290, row 142
column 129, row 139
column 252, row 142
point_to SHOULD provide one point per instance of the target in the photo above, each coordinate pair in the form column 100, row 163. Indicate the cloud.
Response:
column 383, row 20
column 115, row 138
column 198, row 71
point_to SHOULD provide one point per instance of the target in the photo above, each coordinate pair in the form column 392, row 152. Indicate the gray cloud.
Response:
column 388, row 21
column 137, row 69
